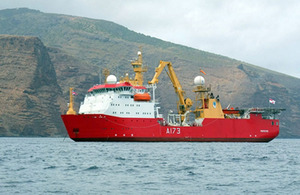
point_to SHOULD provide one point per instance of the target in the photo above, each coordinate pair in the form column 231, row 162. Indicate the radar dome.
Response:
column 111, row 79
column 199, row 80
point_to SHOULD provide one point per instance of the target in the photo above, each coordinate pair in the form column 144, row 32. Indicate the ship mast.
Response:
column 105, row 72
column 139, row 70
column 207, row 106
column 71, row 109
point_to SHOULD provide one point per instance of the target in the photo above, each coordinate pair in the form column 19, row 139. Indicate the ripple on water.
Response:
column 51, row 167
column 120, row 158
column 92, row 168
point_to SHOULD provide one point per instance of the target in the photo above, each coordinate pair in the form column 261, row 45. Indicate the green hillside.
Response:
column 80, row 48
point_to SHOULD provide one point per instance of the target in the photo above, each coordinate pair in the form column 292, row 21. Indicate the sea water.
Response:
column 62, row 166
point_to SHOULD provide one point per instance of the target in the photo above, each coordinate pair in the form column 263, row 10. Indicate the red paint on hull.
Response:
column 100, row 127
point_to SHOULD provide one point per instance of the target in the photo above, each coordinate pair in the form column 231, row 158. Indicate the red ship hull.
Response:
column 100, row 127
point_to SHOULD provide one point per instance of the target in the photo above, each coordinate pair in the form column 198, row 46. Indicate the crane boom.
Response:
column 184, row 103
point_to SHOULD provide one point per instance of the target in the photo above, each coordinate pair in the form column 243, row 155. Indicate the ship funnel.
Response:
column 199, row 81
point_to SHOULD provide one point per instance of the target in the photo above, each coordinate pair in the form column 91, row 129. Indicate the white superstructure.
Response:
column 121, row 100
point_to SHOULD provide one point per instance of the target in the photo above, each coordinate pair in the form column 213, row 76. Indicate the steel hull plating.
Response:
column 100, row 127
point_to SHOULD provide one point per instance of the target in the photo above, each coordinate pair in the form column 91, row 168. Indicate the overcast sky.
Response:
column 265, row 33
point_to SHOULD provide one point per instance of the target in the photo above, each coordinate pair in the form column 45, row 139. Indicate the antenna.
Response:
column 105, row 72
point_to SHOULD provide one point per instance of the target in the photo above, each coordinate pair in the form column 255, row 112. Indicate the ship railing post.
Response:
column 154, row 87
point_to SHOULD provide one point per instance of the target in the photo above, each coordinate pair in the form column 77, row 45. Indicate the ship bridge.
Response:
column 117, row 87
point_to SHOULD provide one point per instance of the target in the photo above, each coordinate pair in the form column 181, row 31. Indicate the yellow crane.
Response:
column 184, row 104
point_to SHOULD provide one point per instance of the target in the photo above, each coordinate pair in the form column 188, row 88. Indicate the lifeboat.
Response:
column 142, row 97
column 231, row 111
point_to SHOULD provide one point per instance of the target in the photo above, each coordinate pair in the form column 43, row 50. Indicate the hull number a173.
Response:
column 173, row 130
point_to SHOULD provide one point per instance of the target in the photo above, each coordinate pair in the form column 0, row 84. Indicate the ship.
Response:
column 128, row 110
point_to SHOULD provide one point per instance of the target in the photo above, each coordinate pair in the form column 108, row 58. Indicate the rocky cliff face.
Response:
column 29, row 93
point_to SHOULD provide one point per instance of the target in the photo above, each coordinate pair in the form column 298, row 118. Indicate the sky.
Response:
column 265, row 33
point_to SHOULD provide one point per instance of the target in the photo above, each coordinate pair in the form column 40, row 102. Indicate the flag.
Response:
column 74, row 93
column 271, row 101
column 202, row 71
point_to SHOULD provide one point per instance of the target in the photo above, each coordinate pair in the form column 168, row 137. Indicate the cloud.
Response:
column 261, row 32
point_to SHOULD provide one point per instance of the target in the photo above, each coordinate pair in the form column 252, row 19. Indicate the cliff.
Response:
column 29, row 93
